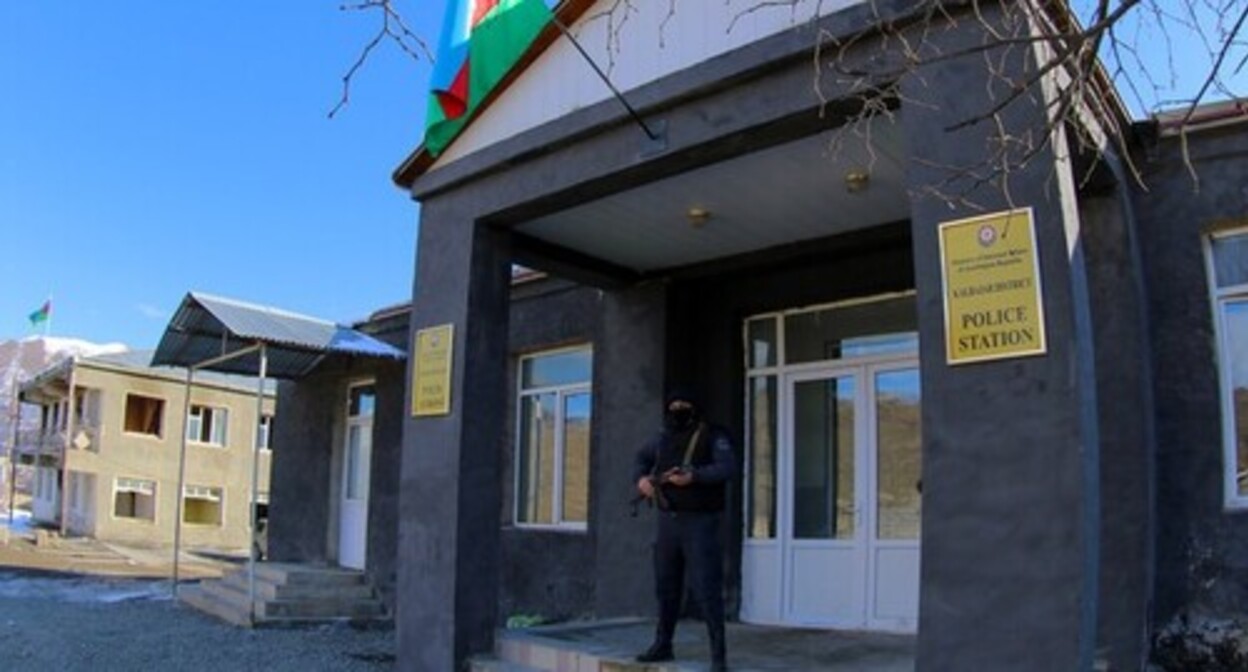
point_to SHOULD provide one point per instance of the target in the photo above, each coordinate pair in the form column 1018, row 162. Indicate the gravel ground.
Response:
column 65, row 624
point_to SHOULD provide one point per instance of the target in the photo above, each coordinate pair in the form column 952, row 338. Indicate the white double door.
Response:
column 848, row 503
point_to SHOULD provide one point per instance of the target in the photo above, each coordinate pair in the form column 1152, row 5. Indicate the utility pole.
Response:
column 15, row 420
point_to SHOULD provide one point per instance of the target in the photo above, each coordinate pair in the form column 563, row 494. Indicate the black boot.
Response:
column 657, row 653
column 719, row 648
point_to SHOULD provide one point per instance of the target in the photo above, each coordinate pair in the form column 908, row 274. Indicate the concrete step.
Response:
column 289, row 575
column 301, row 590
column 321, row 609
column 332, row 607
column 209, row 603
column 227, row 599
column 531, row 651
column 492, row 664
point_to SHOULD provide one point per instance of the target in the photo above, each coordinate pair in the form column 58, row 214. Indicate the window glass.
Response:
column 761, row 342
column 1235, row 336
column 823, row 459
column 205, row 424
column 761, row 502
column 898, row 439
column 560, row 368
column 537, row 459
column 363, row 401
column 1230, row 260
column 264, row 433
column 576, row 457
column 857, row 330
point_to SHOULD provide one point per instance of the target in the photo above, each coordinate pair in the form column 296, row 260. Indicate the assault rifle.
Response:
column 657, row 481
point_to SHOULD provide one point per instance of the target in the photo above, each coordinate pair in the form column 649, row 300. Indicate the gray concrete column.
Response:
column 449, row 503
column 628, row 389
column 1010, row 528
column 299, row 515
column 1128, row 454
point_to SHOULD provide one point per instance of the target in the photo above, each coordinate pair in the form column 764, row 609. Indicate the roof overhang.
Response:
column 216, row 334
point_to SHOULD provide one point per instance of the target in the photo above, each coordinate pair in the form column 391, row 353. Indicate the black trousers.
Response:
column 690, row 541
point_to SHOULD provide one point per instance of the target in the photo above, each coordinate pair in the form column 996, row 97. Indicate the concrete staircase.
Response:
column 288, row 594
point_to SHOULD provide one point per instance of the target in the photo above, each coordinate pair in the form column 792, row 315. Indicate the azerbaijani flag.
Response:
column 481, row 41
column 41, row 315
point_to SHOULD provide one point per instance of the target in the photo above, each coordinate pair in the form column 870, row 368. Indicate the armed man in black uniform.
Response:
column 684, row 471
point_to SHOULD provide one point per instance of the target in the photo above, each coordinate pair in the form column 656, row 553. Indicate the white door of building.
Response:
column 845, row 547
column 356, row 469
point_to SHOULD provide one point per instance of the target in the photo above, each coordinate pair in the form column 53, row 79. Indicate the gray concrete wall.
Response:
column 1124, row 386
column 451, row 493
column 380, row 560
column 306, row 470
column 1010, row 518
column 299, row 497
column 544, row 571
column 629, row 408
column 1202, row 549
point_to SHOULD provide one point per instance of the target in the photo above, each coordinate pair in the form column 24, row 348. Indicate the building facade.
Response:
column 107, row 452
column 1044, row 485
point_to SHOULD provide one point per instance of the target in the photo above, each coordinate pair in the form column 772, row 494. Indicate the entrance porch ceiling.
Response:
column 784, row 194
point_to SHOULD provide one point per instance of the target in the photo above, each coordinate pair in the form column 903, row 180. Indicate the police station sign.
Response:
column 991, row 279
column 431, row 370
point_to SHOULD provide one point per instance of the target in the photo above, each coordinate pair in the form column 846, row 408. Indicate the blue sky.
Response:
column 152, row 148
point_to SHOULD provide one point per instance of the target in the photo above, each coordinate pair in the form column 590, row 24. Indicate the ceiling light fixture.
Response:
column 697, row 216
column 857, row 181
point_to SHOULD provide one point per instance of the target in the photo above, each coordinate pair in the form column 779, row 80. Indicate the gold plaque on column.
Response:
column 431, row 370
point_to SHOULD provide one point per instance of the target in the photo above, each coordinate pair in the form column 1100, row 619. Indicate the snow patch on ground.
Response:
column 21, row 522
column 73, row 589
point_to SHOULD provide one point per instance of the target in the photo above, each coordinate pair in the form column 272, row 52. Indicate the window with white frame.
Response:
column 134, row 498
column 1228, row 262
column 552, row 448
column 264, row 433
column 205, row 424
column 201, row 505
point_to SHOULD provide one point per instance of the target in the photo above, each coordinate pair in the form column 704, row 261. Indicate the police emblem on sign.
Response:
column 987, row 235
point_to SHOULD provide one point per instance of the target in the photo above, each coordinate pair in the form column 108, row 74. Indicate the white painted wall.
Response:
column 657, row 39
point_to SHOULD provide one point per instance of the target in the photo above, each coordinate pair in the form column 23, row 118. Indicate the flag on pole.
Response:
column 42, row 315
column 481, row 41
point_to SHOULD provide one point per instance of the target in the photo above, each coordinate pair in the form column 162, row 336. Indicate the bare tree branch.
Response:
column 392, row 28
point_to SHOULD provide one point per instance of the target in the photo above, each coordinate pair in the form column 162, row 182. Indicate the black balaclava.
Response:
column 683, row 418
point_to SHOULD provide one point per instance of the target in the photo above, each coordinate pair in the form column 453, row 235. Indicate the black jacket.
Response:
column 712, row 464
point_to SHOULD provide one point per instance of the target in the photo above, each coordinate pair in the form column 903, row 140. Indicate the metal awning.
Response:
column 208, row 327
column 209, row 333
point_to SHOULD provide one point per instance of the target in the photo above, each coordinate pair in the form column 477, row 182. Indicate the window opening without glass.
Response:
column 134, row 498
column 144, row 415
column 202, row 505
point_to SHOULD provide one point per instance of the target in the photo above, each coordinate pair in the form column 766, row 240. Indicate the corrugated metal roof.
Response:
column 140, row 361
column 205, row 327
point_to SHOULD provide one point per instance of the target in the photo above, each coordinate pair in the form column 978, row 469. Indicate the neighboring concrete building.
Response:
column 106, row 452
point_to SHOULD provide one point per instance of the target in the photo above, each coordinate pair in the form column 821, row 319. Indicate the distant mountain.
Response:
column 22, row 360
